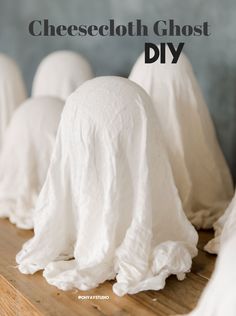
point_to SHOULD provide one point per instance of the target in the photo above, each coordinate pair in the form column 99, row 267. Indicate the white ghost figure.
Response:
column 109, row 202
column 219, row 297
column 199, row 168
column 25, row 157
column 61, row 73
column 224, row 228
column 12, row 91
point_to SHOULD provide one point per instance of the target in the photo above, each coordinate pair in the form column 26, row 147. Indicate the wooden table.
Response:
column 23, row 295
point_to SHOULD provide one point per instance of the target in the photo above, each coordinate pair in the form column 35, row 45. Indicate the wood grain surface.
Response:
column 23, row 295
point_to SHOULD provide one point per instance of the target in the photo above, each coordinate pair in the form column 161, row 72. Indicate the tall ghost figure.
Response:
column 25, row 157
column 61, row 73
column 109, row 202
column 12, row 91
column 224, row 228
column 200, row 170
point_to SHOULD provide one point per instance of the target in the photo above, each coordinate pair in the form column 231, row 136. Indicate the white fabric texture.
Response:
column 224, row 228
column 200, row 170
column 12, row 91
column 25, row 157
column 61, row 73
column 219, row 297
column 109, row 202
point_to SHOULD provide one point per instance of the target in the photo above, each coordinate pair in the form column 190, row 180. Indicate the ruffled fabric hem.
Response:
column 205, row 219
column 213, row 246
column 15, row 215
column 166, row 259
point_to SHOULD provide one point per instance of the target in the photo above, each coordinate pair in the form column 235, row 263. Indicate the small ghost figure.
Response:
column 12, row 91
column 25, row 157
column 109, row 207
column 200, row 171
column 60, row 73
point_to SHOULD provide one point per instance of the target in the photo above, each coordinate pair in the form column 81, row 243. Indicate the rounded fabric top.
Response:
column 168, row 69
column 61, row 73
column 25, row 157
column 109, row 200
column 38, row 113
column 12, row 91
column 105, row 98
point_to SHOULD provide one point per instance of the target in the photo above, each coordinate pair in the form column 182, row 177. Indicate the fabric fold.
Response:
column 12, row 91
column 61, row 73
column 25, row 157
column 224, row 227
column 200, row 171
column 109, row 207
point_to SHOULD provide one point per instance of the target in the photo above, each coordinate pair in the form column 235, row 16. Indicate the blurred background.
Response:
column 213, row 58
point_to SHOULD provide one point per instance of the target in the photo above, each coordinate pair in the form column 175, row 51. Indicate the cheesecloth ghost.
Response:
column 61, row 73
column 12, row 91
column 109, row 202
column 219, row 297
column 25, row 157
column 199, row 168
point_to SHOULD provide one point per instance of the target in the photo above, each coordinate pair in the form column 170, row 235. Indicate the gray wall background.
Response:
column 213, row 58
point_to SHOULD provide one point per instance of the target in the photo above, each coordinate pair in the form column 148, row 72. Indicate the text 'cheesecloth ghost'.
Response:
column 224, row 228
column 109, row 200
column 12, row 91
column 219, row 297
column 60, row 73
column 25, row 157
column 199, row 168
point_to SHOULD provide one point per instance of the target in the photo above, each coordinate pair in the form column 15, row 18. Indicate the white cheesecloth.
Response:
column 109, row 207
column 12, row 91
column 25, row 157
column 199, row 168
column 219, row 297
column 224, row 228
column 61, row 73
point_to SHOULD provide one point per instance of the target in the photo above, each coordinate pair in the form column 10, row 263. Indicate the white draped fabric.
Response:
column 219, row 297
column 200, row 170
column 25, row 157
column 12, row 91
column 109, row 207
column 61, row 73
column 224, row 228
